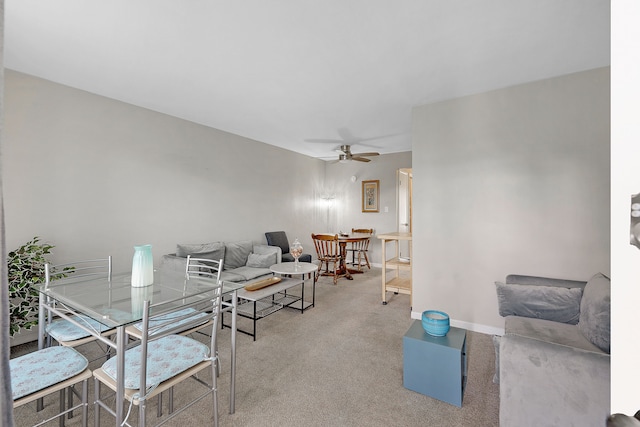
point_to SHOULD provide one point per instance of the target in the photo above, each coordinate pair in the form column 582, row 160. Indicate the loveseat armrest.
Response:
column 540, row 297
column 268, row 250
column 547, row 384
column 520, row 279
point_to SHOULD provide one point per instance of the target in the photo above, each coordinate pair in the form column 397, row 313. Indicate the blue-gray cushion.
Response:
column 237, row 253
column 63, row 330
column 213, row 250
column 261, row 260
column 166, row 357
column 541, row 302
column 595, row 312
column 43, row 368
column 181, row 317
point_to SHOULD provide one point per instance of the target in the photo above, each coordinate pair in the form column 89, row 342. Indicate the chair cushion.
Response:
column 289, row 258
column 173, row 315
column 63, row 330
column 166, row 358
column 595, row 312
column 44, row 368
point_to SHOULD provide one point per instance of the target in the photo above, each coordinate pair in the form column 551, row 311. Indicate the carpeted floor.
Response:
column 337, row 364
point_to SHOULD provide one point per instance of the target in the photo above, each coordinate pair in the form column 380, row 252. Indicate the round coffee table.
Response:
column 290, row 269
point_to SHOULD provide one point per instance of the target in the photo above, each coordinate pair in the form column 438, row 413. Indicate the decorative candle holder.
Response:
column 142, row 269
column 296, row 250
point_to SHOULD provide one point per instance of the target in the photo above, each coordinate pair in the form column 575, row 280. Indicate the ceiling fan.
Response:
column 346, row 155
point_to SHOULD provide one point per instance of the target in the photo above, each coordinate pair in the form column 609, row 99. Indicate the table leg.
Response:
column 343, row 270
column 41, row 331
column 302, row 301
column 120, row 349
column 234, row 329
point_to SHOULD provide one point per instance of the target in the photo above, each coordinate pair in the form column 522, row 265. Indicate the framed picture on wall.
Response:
column 371, row 196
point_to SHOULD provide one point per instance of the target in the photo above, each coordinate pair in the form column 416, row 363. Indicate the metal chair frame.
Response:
column 208, row 309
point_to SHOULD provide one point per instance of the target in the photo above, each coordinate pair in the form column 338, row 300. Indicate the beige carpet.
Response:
column 338, row 364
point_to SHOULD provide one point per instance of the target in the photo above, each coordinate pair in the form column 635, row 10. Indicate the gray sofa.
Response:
column 243, row 260
column 553, row 362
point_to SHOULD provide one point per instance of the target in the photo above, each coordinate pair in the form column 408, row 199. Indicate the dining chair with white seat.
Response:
column 42, row 372
column 163, row 357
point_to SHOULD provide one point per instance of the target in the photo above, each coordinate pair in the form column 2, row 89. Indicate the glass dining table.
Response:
column 116, row 304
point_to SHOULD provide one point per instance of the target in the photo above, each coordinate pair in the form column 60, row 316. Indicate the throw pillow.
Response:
column 595, row 312
column 541, row 302
column 237, row 253
column 215, row 250
column 261, row 260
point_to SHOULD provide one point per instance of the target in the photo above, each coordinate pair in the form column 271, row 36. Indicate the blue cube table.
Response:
column 435, row 366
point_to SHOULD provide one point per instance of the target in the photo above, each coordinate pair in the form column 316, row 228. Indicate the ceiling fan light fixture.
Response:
column 342, row 158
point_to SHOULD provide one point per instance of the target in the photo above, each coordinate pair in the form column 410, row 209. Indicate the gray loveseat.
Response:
column 553, row 360
column 243, row 260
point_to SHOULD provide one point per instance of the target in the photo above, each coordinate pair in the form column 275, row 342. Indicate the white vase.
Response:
column 142, row 269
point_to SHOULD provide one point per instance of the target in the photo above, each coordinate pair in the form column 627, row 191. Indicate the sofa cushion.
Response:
column 237, row 253
column 231, row 276
column 248, row 273
column 261, row 260
column 595, row 312
column 543, row 302
column 214, row 250
column 549, row 331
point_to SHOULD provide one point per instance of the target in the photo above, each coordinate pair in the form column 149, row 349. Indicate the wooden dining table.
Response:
column 343, row 239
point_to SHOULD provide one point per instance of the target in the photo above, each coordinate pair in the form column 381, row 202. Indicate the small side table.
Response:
column 435, row 366
column 302, row 268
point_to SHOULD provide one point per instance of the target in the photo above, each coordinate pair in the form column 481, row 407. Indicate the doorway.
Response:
column 404, row 192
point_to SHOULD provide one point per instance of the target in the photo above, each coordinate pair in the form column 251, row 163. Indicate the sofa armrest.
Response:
column 544, row 384
column 267, row 250
column 519, row 279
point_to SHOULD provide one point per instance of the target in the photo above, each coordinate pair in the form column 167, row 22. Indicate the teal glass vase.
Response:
column 142, row 269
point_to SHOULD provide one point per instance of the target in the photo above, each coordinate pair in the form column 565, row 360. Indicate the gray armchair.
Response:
column 279, row 238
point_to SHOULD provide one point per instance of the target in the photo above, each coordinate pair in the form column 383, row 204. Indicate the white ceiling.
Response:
column 291, row 72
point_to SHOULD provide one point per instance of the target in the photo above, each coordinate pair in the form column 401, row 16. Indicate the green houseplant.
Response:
column 25, row 267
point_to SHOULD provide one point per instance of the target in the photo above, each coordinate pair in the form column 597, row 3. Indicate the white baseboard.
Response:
column 475, row 327
column 24, row 336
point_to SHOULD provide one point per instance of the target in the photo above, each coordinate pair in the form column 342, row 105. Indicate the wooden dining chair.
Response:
column 361, row 248
column 163, row 357
column 328, row 251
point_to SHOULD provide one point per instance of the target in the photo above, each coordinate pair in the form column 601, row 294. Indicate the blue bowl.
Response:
column 435, row 323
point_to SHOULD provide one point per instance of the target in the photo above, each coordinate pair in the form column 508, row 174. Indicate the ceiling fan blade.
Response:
column 360, row 159
column 366, row 154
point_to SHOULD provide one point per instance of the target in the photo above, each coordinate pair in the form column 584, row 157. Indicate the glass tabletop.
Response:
column 116, row 303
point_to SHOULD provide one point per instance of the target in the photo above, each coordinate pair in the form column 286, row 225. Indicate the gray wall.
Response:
column 346, row 209
column 514, row 180
column 94, row 176
column 510, row 181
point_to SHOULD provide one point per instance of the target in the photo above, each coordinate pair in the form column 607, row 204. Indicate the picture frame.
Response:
column 371, row 196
